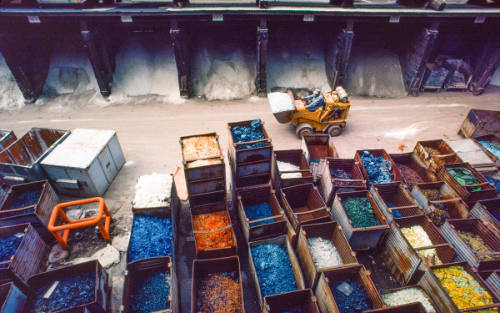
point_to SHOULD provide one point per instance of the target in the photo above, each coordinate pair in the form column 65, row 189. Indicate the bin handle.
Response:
column 264, row 219
column 212, row 231
column 311, row 211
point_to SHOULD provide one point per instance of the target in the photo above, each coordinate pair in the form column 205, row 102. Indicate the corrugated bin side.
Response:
column 399, row 198
column 477, row 227
column 358, row 272
column 7, row 137
column 255, row 195
column 210, row 266
column 330, row 231
column 283, row 241
column 12, row 299
column 359, row 238
column 304, row 205
column 330, row 185
column 484, row 210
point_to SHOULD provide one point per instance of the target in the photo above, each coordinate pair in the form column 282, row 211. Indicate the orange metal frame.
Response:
column 58, row 211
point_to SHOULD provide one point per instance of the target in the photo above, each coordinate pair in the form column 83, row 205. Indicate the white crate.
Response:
column 86, row 163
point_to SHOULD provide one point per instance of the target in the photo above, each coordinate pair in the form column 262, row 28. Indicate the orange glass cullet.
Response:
column 209, row 237
column 59, row 214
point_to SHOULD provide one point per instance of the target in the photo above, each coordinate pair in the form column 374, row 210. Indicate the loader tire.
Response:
column 304, row 130
column 334, row 130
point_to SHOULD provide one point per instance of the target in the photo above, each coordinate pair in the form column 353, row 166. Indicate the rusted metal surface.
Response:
column 138, row 268
column 102, row 293
column 12, row 299
column 21, row 160
column 469, row 196
column 435, row 153
column 285, row 301
column 480, row 123
column 252, row 154
column 303, row 205
column 403, row 252
column 297, row 158
column 284, row 242
column 317, row 147
column 492, row 138
column 432, row 286
column 471, row 152
column 38, row 214
column 7, row 137
column 399, row 198
column 465, row 253
column 378, row 153
column 29, row 259
column 357, row 272
column 330, row 231
column 214, row 208
column 359, row 238
column 329, row 185
column 483, row 210
column 212, row 266
column 412, row 161
column 492, row 279
column 415, row 307
column 254, row 195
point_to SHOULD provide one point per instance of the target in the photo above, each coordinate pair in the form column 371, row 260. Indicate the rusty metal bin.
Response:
column 251, row 229
column 435, row 153
column 284, row 242
column 410, row 264
column 468, row 195
column 303, row 205
column 330, row 231
column 359, row 238
column 101, row 295
column 7, row 137
column 285, row 302
column 395, row 197
column 205, row 267
column 492, row 280
column 481, row 122
column 377, row 153
column 486, row 210
column 329, row 184
column 317, row 147
column 20, row 162
column 214, row 208
column 263, row 176
column 440, row 195
column 238, row 156
column 37, row 214
column 138, row 269
column 432, row 286
column 409, row 305
column 29, row 259
column 415, row 307
column 410, row 160
column 358, row 272
column 209, row 165
column 12, row 299
column 465, row 253
column 290, row 178
column 492, row 138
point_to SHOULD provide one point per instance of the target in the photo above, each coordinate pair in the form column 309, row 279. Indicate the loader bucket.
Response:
column 282, row 106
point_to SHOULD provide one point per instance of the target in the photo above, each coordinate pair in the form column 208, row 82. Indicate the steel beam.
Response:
column 414, row 62
column 99, row 57
column 28, row 57
column 262, row 47
column 182, row 59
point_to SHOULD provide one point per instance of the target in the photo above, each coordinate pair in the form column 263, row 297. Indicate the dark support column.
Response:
column 100, row 59
column 262, row 40
column 179, row 43
column 417, row 56
column 488, row 61
column 344, row 44
column 28, row 68
column 181, row 3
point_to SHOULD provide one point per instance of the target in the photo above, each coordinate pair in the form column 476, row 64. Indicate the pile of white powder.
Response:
column 324, row 253
column 153, row 191
column 285, row 167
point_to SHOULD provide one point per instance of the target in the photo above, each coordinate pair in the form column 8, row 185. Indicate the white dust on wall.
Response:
column 495, row 79
column 296, row 60
column 10, row 94
column 223, row 71
column 145, row 65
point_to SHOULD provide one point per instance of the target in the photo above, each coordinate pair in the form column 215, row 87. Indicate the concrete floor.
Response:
column 149, row 133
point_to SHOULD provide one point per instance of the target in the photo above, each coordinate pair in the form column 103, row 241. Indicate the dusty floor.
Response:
column 149, row 133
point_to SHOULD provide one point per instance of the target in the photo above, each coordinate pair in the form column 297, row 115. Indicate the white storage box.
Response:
column 86, row 163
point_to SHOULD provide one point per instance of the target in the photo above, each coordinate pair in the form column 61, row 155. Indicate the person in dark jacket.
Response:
column 314, row 101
